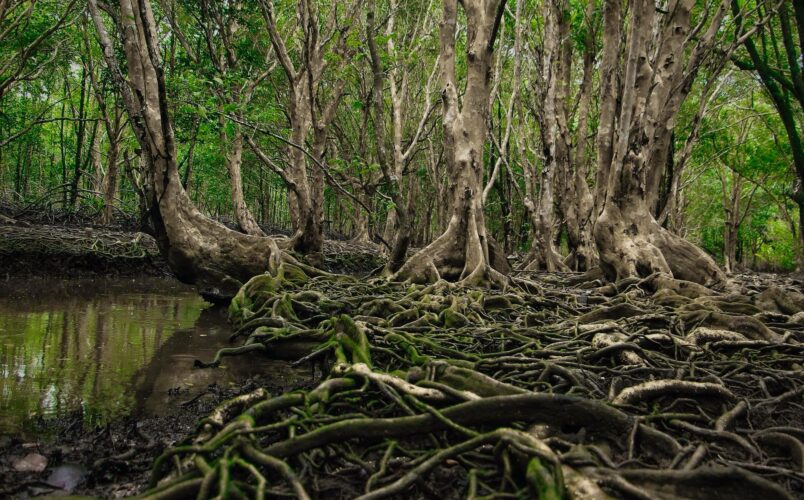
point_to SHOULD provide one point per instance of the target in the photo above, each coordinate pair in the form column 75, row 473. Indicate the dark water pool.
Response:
column 108, row 348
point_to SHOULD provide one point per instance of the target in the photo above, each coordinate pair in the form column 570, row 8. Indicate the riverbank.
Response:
column 84, row 451
column 98, row 379
column 65, row 456
column 79, row 250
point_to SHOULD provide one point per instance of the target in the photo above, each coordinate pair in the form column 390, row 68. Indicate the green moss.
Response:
column 283, row 308
column 404, row 317
column 496, row 303
column 543, row 481
column 292, row 274
column 453, row 319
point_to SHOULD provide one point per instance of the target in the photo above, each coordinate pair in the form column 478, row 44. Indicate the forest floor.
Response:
column 560, row 384
column 63, row 455
column 52, row 243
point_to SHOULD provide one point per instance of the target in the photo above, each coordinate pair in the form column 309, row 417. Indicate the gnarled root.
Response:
column 460, row 254
column 634, row 244
column 444, row 386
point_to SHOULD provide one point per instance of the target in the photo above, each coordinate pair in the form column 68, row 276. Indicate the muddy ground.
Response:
column 58, row 456
column 727, row 401
column 112, row 460
column 54, row 244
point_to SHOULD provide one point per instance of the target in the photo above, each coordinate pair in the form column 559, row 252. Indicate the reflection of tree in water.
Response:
column 78, row 344
column 171, row 367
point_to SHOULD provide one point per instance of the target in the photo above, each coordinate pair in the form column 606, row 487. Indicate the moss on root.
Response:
column 447, row 390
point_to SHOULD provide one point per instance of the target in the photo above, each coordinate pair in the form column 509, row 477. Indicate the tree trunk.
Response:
column 110, row 182
column 628, row 238
column 461, row 252
column 198, row 249
column 361, row 222
column 234, row 160
column 305, row 194
column 732, row 206
column 398, row 227
column 554, row 137
column 578, row 216
column 543, row 254
column 79, row 141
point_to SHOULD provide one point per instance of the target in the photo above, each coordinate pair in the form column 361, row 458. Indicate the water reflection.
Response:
column 106, row 347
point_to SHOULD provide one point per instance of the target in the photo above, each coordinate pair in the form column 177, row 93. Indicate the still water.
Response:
column 108, row 348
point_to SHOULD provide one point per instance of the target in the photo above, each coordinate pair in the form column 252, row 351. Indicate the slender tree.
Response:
column 311, row 109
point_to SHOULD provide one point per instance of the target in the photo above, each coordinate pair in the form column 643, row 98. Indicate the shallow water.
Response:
column 108, row 348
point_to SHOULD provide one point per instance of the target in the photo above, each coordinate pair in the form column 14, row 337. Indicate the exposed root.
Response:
column 663, row 388
column 531, row 392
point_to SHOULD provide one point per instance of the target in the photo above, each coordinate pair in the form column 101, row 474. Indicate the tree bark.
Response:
column 306, row 196
column 234, row 160
column 399, row 225
column 554, row 136
column 462, row 251
column 198, row 249
column 578, row 214
column 79, row 141
column 629, row 239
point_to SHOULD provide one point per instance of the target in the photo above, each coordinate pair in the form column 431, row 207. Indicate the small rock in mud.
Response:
column 67, row 477
column 32, row 462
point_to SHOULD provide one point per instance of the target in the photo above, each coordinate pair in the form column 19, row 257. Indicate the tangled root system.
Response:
column 547, row 390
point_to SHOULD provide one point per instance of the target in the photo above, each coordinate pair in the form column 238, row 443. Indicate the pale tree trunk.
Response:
column 398, row 229
column 361, row 222
column 364, row 187
column 543, row 254
column 307, row 233
column 220, row 31
column 554, row 136
column 660, row 63
column 96, row 163
column 578, row 197
column 731, row 184
column 110, row 183
column 735, row 215
column 306, row 193
column 462, row 251
column 114, row 132
column 732, row 209
column 498, row 252
column 198, row 249
column 234, row 160
column 113, row 124
column 314, row 240
column 389, row 229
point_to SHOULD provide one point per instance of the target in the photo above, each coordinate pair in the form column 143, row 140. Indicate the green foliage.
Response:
column 210, row 99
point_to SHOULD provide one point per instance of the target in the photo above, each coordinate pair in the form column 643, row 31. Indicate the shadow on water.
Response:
column 108, row 348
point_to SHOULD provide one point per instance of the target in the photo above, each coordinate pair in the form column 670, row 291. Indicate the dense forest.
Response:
column 531, row 248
